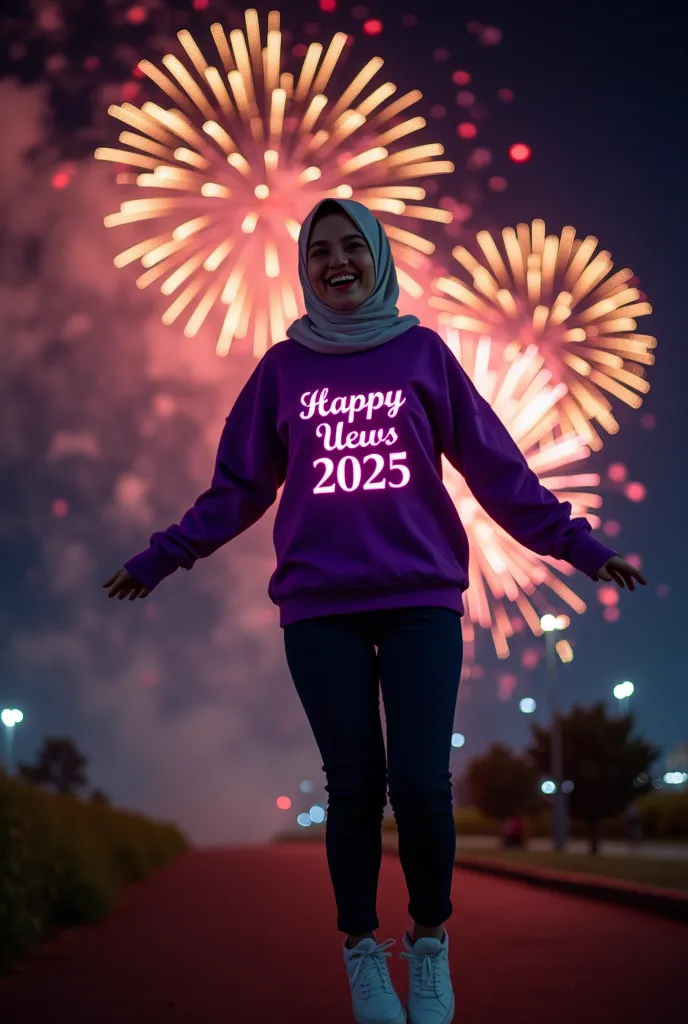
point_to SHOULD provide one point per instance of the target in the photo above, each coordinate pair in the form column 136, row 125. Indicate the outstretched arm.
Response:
column 479, row 446
column 249, row 470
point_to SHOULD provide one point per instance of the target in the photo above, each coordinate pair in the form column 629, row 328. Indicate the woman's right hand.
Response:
column 123, row 584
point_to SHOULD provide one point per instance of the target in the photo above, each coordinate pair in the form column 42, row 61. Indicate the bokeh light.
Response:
column 607, row 594
column 507, row 684
column 467, row 130
column 61, row 179
column 491, row 36
column 317, row 814
column 635, row 491
column 519, row 152
column 530, row 658
column 373, row 27
column 137, row 14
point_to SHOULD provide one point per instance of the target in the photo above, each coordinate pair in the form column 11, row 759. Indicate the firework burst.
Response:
column 232, row 170
column 550, row 291
column 502, row 571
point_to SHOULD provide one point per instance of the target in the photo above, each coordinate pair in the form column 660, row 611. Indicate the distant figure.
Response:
column 514, row 833
column 352, row 414
column 634, row 824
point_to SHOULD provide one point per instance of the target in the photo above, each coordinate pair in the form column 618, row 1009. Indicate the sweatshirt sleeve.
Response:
column 249, row 470
column 478, row 445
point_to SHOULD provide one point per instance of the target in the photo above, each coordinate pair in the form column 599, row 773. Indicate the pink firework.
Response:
column 506, row 579
column 551, row 291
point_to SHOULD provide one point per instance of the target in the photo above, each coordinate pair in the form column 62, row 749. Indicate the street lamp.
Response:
column 622, row 692
column 550, row 625
column 10, row 717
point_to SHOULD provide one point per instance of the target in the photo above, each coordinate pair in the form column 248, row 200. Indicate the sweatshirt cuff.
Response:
column 151, row 567
column 587, row 554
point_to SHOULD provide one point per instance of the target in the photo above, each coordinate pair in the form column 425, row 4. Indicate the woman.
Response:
column 353, row 414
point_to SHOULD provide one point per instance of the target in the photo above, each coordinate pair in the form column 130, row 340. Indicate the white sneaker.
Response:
column 431, row 996
column 373, row 997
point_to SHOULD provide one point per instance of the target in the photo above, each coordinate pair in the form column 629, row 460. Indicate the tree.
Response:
column 502, row 784
column 60, row 764
column 602, row 760
column 99, row 797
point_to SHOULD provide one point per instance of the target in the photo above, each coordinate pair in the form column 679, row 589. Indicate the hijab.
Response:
column 376, row 320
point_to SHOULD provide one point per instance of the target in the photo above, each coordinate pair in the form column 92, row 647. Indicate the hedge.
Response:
column 64, row 860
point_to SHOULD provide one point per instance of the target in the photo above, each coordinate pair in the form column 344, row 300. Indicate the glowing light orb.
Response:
column 232, row 168
column 635, row 491
column 548, row 290
column 617, row 472
column 61, row 179
column 519, row 152
column 373, row 27
column 466, row 130
column 137, row 14
column 507, row 684
column 502, row 572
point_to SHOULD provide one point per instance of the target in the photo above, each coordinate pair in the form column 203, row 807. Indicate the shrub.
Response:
column 63, row 861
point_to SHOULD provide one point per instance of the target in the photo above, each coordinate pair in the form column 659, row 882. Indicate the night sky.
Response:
column 109, row 422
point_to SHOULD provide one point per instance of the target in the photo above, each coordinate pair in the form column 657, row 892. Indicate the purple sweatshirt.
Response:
column 364, row 521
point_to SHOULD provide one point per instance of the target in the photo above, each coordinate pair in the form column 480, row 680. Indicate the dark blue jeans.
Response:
column 338, row 674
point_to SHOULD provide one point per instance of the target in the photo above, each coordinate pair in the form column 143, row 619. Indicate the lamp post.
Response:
column 622, row 692
column 10, row 717
column 550, row 624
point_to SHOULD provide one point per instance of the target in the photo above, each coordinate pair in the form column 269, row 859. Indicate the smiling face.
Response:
column 340, row 263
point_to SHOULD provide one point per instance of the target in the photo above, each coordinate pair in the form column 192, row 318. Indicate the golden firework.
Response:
column 234, row 167
column 505, row 576
column 551, row 291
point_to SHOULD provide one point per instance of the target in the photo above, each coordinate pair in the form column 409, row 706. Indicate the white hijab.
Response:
column 376, row 320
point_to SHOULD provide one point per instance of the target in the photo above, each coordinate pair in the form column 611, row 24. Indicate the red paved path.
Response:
column 248, row 936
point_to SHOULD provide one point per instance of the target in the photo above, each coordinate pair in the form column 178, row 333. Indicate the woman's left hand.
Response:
column 616, row 570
